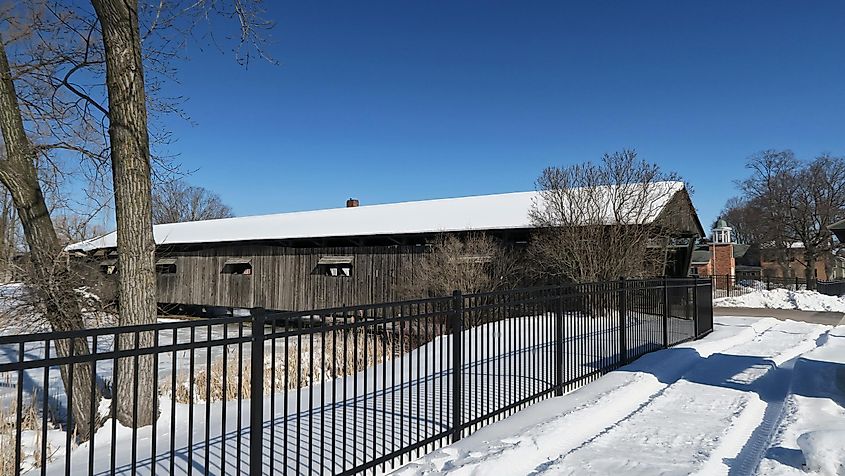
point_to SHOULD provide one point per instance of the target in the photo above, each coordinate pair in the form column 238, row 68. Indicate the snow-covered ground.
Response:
column 813, row 421
column 757, row 396
column 785, row 299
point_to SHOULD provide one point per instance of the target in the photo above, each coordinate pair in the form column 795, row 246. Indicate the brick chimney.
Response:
column 723, row 259
column 352, row 203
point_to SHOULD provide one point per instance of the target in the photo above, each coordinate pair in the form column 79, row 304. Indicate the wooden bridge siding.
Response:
column 284, row 278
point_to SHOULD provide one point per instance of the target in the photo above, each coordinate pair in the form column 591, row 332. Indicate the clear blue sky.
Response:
column 394, row 101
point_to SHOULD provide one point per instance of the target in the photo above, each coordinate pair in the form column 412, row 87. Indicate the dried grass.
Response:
column 333, row 355
column 30, row 421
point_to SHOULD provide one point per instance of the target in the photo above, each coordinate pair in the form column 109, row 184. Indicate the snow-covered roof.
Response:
column 476, row 213
column 795, row 245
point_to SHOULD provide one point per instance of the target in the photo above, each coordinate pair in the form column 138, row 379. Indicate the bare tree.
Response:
column 79, row 74
column 131, row 174
column 176, row 201
column 471, row 264
column 72, row 228
column 797, row 201
column 602, row 221
column 131, row 178
column 745, row 217
column 49, row 275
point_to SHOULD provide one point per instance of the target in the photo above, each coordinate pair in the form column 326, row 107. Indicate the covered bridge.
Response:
column 342, row 256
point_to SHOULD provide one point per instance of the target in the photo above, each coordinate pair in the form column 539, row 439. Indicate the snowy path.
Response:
column 713, row 406
column 815, row 405
column 708, row 407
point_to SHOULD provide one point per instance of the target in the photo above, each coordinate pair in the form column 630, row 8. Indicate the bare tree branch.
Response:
column 176, row 201
column 791, row 203
column 601, row 221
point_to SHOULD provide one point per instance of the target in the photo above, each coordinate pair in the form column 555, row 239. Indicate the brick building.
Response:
column 789, row 263
column 722, row 257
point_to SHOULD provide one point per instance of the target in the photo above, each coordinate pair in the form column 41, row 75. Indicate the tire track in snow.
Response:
column 747, row 440
column 752, row 452
column 684, row 426
column 814, row 401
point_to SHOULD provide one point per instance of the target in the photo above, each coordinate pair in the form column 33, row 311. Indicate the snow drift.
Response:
column 785, row 299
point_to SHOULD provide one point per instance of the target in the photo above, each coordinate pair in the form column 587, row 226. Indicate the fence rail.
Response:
column 741, row 284
column 349, row 390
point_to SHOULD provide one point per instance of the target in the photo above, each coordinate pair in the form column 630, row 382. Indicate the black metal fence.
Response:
column 740, row 284
column 831, row 288
column 349, row 390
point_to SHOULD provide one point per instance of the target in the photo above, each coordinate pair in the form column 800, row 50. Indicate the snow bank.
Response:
column 12, row 295
column 824, row 451
column 785, row 299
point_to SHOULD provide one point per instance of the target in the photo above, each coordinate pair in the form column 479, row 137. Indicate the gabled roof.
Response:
column 700, row 256
column 840, row 225
column 477, row 213
column 797, row 245
column 740, row 250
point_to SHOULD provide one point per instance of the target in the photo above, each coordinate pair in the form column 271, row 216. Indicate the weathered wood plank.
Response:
column 287, row 278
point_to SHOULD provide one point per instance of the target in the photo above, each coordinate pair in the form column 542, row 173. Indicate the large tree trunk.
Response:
column 810, row 270
column 130, row 155
column 7, row 224
column 50, row 277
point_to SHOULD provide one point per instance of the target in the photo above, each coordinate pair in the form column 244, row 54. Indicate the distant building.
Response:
column 788, row 262
column 722, row 257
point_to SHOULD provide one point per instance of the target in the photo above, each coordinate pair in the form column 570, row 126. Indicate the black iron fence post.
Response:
column 695, row 306
column 256, row 404
column 456, row 325
column 665, row 312
column 559, row 345
column 623, row 322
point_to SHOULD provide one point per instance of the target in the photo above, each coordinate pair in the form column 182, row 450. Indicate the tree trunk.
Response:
column 130, row 155
column 810, row 270
column 50, row 278
column 6, row 224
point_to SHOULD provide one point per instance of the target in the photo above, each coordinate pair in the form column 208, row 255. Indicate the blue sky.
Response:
column 394, row 101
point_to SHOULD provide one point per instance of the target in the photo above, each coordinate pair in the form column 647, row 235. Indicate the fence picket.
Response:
column 745, row 283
